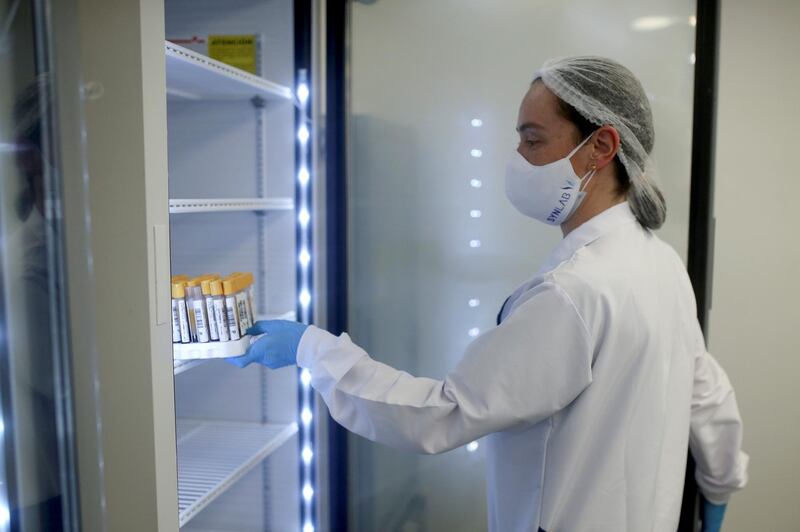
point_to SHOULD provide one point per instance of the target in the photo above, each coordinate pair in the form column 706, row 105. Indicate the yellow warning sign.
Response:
column 236, row 50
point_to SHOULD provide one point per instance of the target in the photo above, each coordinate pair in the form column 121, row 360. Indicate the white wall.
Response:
column 755, row 315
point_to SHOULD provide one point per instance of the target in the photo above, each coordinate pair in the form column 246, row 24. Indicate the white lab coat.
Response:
column 590, row 391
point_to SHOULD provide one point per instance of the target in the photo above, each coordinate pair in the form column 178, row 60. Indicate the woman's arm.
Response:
column 716, row 432
column 525, row 370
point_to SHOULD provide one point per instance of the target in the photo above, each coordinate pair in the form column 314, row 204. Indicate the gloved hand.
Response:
column 712, row 516
column 277, row 348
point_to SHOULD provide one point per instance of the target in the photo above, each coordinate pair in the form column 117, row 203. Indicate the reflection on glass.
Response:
column 432, row 122
column 32, row 472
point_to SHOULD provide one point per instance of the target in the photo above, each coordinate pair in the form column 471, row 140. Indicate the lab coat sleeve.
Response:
column 716, row 432
column 530, row 367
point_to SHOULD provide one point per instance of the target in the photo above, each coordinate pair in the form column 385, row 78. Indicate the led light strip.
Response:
column 304, row 299
column 5, row 513
column 475, row 243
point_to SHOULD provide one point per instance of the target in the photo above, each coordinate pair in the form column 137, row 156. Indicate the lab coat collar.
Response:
column 588, row 232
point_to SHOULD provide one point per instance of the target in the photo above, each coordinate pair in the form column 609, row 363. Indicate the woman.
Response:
column 596, row 380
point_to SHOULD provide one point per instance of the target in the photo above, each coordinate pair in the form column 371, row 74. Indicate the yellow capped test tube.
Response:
column 188, row 300
column 198, row 309
column 242, row 302
column 248, row 287
column 220, row 314
column 229, row 289
column 208, row 300
column 180, row 322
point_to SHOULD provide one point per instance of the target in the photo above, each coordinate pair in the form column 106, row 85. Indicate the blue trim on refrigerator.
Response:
column 336, row 236
column 700, row 260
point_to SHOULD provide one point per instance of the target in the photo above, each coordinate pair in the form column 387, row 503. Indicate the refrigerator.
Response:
column 238, row 132
column 172, row 138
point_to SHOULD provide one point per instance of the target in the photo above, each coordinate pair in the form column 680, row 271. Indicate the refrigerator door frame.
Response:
column 114, row 128
column 113, row 133
column 700, row 261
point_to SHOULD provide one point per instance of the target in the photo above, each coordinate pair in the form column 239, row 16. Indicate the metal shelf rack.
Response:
column 180, row 366
column 193, row 76
column 187, row 206
column 213, row 455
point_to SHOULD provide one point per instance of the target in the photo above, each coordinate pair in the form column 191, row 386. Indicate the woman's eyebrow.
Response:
column 527, row 126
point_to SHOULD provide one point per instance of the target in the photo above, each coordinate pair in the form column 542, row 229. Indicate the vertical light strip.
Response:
column 5, row 514
column 305, row 300
column 475, row 214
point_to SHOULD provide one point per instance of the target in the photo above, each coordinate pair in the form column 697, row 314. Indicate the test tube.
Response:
column 200, row 314
column 251, row 300
column 190, row 283
column 180, row 322
column 248, row 285
column 176, row 323
column 220, row 316
column 240, row 282
column 213, row 330
column 187, row 287
column 231, row 312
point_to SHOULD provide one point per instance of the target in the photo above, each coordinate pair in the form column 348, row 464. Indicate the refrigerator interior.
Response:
column 238, row 460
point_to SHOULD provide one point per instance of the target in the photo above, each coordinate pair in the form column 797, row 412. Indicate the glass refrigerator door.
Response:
column 435, row 247
column 37, row 477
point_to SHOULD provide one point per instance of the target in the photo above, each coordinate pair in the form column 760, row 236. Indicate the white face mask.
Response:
column 549, row 193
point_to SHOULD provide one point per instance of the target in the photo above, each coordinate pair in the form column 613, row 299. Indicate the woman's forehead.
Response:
column 539, row 109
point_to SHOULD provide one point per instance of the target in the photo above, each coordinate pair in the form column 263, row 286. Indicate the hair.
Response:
column 594, row 91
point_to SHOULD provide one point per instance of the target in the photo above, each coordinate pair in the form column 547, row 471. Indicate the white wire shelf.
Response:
column 186, row 206
column 179, row 366
column 193, row 76
column 183, row 365
column 213, row 455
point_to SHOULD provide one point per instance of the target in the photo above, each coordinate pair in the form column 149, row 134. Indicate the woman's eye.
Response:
column 531, row 142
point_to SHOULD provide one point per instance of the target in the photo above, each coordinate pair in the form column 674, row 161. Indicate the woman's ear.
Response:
column 605, row 146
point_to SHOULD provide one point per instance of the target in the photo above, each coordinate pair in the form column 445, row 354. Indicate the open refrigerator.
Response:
column 162, row 159
column 239, row 193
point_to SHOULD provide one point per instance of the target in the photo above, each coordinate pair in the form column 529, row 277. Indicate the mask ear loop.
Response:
column 592, row 170
column 579, row 146
column 585, row 180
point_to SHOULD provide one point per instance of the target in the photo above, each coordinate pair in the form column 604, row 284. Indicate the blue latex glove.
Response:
column 712, row 516
column 277, row 348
